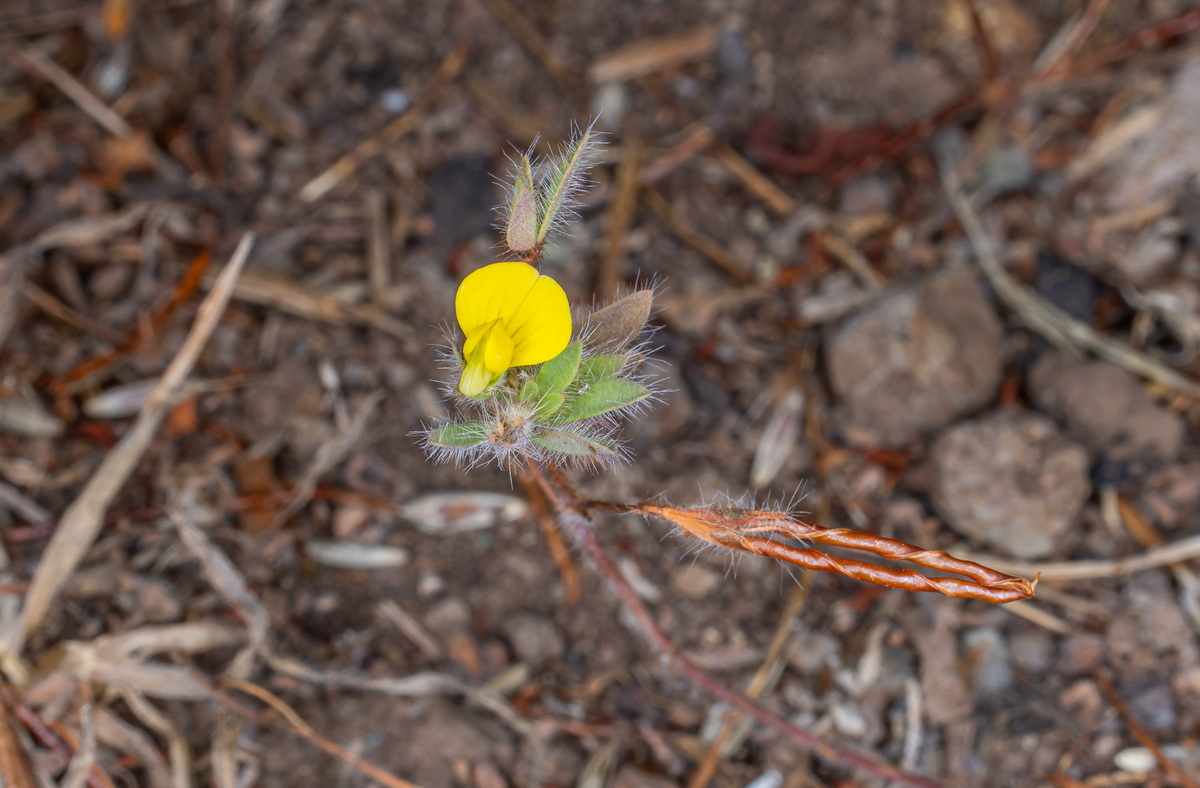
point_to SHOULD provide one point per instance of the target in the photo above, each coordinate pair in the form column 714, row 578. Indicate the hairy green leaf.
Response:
column 554, row 376
column 603, row 396
column 619, row 323
column 604, row 365
column 558, row 373
column 459, row 435
column 549, row 405
column 575, row 445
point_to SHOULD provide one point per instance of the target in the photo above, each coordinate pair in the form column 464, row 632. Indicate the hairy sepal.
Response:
column 524, row 212
column 615, row 326
column 564, row 176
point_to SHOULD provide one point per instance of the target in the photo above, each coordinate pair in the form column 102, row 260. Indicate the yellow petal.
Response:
column 475, row 379
column 541, row 325
column 487, row 356
column 492, row 293
column 533, row 309
column 497, row 348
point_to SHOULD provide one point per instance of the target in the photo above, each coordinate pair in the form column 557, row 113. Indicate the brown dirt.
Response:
column 959, row 691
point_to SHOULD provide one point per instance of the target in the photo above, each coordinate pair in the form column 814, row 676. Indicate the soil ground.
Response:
column 826, row 337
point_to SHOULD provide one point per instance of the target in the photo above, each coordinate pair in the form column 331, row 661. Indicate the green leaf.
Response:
column 573, row 444
column 604, row 365
column 619, row 323
column 603, row 396
column 521, row 228
column 553, row 376
column 459, row 435
column 560, row 371
column 549, row 405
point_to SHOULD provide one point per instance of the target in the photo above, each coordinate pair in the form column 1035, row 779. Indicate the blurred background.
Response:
column 801, row 182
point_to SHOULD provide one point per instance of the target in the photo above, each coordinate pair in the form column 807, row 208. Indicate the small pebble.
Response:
column 348, row 519
column 1010, row 480
column 26, row 417
column 1134, row 759
column 449, row 616
column 916, row 359
column 1107, row 410
column 353, row 555
column 990, row 660
column 441, row 514
column 535, row 639
column 394, row 101
column 817, row 651
column 1083, row 701
column 695, row 581
column 848, row 719
column 1032, row 650
column 429, row 585
column 768, row 779
column 866, row 195
column 1080, row 653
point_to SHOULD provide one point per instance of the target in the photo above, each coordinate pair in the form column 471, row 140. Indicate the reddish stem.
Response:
column 581, row 528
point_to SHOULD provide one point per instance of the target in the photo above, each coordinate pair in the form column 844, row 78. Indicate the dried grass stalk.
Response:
column 82, row 520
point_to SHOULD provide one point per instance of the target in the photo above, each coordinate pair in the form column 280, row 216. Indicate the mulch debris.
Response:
column 928, row 271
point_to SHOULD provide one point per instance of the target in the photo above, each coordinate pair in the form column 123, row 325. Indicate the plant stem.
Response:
column 578, row 525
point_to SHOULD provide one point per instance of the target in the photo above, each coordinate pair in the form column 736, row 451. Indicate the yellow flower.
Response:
column 512, row 316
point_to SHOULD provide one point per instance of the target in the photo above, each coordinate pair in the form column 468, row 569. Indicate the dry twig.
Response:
column 116, row 734
column 85, row 753
column 416, row 685
column 706, row 246
column 82, row 520
column 15, row 769
column 755, row 182
column 619, row 216
column 287, row 296
column 1144, row 738
column 552, row 536
column 695, row 142
column 767, row 674
column 1048, row 320
column 178, row 752
column 295, row 724
column 379, row 244
column 655, row 54
column 369, row 148
column 34, row 62
column 1174, row 552
column 541, row 51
